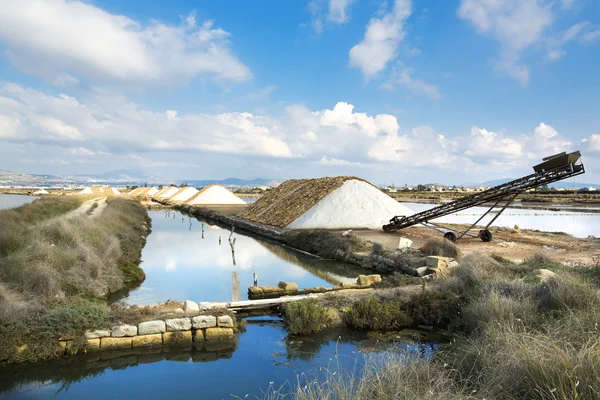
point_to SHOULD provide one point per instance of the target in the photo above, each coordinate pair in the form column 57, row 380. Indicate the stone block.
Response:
column 198, row 335
column 178, row 324
column 147, row 340
column 177, row 337
column 225, row 321
column 189, row 305
column 368, row 280
column 271, row 289
column 92, row 345
column 204, row 321
column 254, row 291
column 124, row 330
column 422, row 271
column 218, row 334
column 203, row 305
column 110, row 343
column 404, row 244
column 289, row 287
column 437, row 261
column 99, row 333
column 151, row 327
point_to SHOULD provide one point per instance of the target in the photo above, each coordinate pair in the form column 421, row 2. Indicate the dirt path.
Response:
column 90, row 208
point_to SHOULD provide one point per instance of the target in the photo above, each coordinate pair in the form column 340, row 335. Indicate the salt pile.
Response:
column 86, row 190
column 184, row 194
column 326, row 203
column 151, row 192
column 41, row 191
column 215, row 194
column 170, row 191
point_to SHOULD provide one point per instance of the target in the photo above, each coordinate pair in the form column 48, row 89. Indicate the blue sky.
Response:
column 399, row 91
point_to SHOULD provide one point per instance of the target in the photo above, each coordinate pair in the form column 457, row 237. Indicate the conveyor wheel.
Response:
column 450, row 236
column 485, row 235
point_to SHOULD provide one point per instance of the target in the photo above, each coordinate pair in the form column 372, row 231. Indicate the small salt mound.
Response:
column 41, row 191
column 115, row 191
column 152, row 191
column 215, row 194
column 356, row 204
column 184, row 194
column 87, row 190
column 168, row 193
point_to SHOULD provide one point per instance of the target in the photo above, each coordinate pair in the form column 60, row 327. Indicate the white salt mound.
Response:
column 115, row 191
column 168, row 193
column 152, row 191
column 355, row 204
column 185, row 194
column 216, row 195
column 87, row 190
column 41, row 191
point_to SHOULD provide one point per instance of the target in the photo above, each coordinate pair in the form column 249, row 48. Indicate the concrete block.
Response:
column 110, row 343
column 177, row 337
column 437, row 261
column 422, row 271
column 225, row 321
column 218, row 334
column 99, row 333
column 198, row 335
column 189, row 305
column 124, row 330
column 92, row 345
column 204, row 321
column 151, row 327
column 147, row 340
column 404, row 244
column 178, row 324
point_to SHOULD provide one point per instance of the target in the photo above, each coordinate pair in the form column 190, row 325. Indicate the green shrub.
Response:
column 305, row 317
column 398, row 279
column 375, row 314
column 434, row 307
column 442, row 247
column 565, row 293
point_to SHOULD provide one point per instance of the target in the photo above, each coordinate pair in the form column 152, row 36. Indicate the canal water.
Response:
column 14, row 200
column 581, row 223
column 184, row 260
column 264, row 357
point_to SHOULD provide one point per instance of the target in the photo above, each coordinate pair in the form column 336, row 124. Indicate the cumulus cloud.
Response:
column 102, row 125
column 91, row 43
column 330, row 12
column 593, row 143
column 382, row 37
column 403, row 76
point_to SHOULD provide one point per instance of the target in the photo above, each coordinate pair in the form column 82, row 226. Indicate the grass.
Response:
column 55, row 273
column 376, row 314
column 515, row 337
column 326, row 244
column 305, row 317
column 441, row 247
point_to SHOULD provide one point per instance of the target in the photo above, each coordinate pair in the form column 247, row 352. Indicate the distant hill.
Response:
column 117, row 177
column 568, row 184
column 9, row 178
column 232, row 182
column 122, row 176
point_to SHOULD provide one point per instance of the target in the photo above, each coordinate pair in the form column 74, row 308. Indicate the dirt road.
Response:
column 90, row 208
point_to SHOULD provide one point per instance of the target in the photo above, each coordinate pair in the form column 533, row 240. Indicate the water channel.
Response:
column 14, row 200
column 581, row 223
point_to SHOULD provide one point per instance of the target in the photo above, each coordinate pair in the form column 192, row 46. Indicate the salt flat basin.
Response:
column 183, row 263
column 579, row 224
column 15, row 200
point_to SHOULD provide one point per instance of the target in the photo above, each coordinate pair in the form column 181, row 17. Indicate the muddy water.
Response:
column 14, row 200
column 263, row 357
column 581, row 223
column 184, row 260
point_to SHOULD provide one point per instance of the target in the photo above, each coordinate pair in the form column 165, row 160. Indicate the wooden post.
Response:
column 236, row 295
column 255, row 279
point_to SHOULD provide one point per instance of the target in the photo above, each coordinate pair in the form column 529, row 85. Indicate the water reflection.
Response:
column 577, row 224
column 194, row 260
column 15, row 200
column 264, row 355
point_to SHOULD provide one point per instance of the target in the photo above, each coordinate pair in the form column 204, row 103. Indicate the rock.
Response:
column 437, row 261
column 217, row 334
column 225, row 321
column 346, row 233
column 110, row 343
column 178, row 324
column 92, row 345
column 189, row 305
column 422, row 271
column 198, row 335
column 203, row 305
column 544, row 274
column 368, row 280
column 179, row 311
column 289, row 287
column 147, row 340
column 347, row 285
column 100, row 333
column 151, row 327
column 204, row 321
column 517, row 228
column 271, row 289
column 177, row 337
column 255, row 290
column 123, row 330
column 452, row 263
column 404, row 244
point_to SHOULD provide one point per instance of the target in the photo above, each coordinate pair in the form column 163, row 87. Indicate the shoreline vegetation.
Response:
column 57, row 270
column 518, row 331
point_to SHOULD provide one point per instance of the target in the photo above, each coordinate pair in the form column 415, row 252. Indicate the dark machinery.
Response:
column 552, row 169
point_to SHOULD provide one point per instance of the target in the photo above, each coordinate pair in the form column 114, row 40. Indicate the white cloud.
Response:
column 382, row 38
column 516, row 24
column 48, row 38
column 591, row 37
column 402, row 76
column 9, row 126
column 335, row 12
column 555, row 44
column 593, row 143
column 337, row 136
